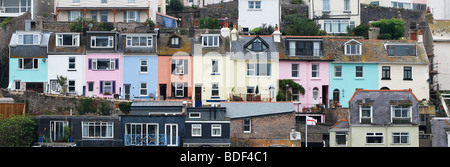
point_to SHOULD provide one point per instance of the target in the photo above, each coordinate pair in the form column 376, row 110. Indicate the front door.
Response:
column 325, row 95
column 127, row 91
column 198, row 96
column 172, row 134
column 153, row 134
column 162, row 91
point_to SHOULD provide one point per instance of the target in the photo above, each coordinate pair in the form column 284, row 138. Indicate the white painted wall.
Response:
column 59, row 65
column 336, row 11
column 440, row 9
column 252, row 18
column 442, row 59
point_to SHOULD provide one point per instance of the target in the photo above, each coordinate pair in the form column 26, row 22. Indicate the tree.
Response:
column 209, row 23
column 175, row 5
column 17, row 131
column 62, row 81
column 263, row 30
column 300, row 25
column 392, row 26
column 285, row 84
column 361, row 30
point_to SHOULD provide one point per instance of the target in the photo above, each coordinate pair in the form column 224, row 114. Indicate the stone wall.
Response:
column 275, row 128
column 374, row 13
column 45, row 104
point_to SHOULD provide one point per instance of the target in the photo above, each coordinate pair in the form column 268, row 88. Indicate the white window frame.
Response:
column 21, row 64
column 394, row 109
column 215, row 89
column 197, row 127
column 375, row 134
column 110, row 42
column 249, row 125
column 104, row 87
column 215, row 71
column 148, row 42
column 296, row 70
column 295, row 93
column 35, row 39
column 60, row 39
column 335, row 71
column 362, row 72
column 191, row 115
column 72, row 15
column 361, row 116
column 141, row 89
column 135, row 19
column 69, row 86
column 206, row 38
column 215, row 127
column 112, row 64
column 143, row 66
column 252, row 5
column 169, row 137
column 177, row 89
column 109, row 128
column 181, row 67
column 74, row 63
column 251, row 69
column 317, row 70
column 400, row 135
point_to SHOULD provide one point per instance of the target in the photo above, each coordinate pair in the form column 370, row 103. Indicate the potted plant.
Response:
column 257, row 95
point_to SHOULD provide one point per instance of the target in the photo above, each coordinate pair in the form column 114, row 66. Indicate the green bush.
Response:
column 105, row 109
column 361, row 30
column 85, row 106
column 299, row 25
column 209, row 23
column 263, row 30
column 393, row 26
column 17, row 131
column 125, row 107
column 384, row 36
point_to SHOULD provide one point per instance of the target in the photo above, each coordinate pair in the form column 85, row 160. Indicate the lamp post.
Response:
column 287, row 85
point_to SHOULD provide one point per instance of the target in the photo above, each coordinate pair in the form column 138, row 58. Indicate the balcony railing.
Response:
column 99, row 4
column 151, row 140
column 249, row 97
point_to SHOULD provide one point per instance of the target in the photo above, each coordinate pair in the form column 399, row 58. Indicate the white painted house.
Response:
column 66, row 59
column 254, row 13
column 334, row 16
column 403, row 4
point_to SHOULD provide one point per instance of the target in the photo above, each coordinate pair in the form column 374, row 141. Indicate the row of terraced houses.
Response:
column 210, row 87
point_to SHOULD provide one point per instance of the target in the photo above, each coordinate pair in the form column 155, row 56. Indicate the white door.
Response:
column 316, row 95
column 172, row 134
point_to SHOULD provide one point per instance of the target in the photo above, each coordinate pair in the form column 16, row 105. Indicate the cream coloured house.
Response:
column 379, row 118
column 231, row 68
column 106, row 10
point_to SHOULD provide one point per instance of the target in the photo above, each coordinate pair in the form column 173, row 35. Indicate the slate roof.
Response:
column 164, row 44
column 75, row 50
column 374, row 51
column 282, row 48
column 35, row 51
column 243, row 40
column 439, row 129
column 224, row 42
column 156, row 103
column 252, row 109
column 381, row 101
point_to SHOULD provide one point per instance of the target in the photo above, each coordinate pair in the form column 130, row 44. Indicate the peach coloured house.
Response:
column 174, row 67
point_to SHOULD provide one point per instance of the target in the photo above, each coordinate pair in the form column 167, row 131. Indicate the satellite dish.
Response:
column 90, row 25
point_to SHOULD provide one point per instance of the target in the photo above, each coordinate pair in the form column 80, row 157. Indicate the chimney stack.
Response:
column 225, row 31
column 234, row 33
column 276, row 34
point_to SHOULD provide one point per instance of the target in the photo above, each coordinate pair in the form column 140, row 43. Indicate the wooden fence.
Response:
column 8, row 109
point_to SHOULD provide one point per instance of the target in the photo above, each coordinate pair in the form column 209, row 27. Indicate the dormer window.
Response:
column 352, row 47
column 401, row 49
column 139, row 41
column 102, row 41
column 28, row 39
column 174, row 42
column 257, row 44
column 210, row 40
column 67, row 39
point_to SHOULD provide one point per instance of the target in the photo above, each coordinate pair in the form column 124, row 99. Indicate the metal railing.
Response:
column 145, row 140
